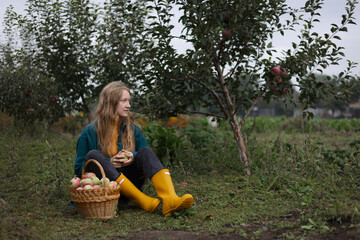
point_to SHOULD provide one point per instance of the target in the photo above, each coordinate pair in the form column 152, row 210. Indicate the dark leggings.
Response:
column 146, row 164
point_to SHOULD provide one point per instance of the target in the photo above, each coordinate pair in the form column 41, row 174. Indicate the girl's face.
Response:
column 123, row 106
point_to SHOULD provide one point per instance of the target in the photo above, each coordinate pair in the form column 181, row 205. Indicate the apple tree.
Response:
column 231, row 63
column 66, row 51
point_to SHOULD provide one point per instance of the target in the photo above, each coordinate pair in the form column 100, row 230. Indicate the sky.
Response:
column 330, row 13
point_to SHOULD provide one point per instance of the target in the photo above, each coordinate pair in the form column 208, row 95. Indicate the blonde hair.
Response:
column 108, row 122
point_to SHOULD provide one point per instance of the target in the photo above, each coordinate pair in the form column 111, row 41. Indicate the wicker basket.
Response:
column 96, row 203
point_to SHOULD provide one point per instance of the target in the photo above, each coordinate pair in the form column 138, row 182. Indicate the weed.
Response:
column 163, row 141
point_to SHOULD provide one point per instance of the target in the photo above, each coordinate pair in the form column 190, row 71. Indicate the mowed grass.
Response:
column 302, row 184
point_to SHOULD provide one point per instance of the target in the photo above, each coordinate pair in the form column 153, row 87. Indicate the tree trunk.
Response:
column 236, row 127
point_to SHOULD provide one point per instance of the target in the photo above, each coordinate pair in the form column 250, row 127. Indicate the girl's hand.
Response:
column 116, row 161
column 126, row 158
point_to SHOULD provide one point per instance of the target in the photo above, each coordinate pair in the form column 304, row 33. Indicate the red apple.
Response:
column 278, row 79
column 276, row 70
column 286, row 91
column 283, row 72
column 86, row 181
column 227, row 34
column 88, row 175
column 113, row 184
column 75, row 182
column 87, row 187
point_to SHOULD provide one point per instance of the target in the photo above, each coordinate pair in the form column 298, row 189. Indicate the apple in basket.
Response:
column 75, row 182
column 95, row 180
column 96, row 186
column 88, row 175
column 86, row 181
column 103, row 180
column 113, row 184
column 80, row 188
column 87, row 187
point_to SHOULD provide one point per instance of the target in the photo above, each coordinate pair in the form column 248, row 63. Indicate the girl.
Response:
column 116, row 141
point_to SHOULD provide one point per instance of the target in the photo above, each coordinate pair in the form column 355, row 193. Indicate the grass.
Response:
column 299, row 187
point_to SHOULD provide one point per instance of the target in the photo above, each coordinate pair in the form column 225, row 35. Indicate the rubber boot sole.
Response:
column 186, row 201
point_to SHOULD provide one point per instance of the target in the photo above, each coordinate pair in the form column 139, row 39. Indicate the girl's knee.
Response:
column 93, row 154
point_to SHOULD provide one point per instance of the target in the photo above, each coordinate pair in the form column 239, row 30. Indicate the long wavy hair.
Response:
column 108, row 122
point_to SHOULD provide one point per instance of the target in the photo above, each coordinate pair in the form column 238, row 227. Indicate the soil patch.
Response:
column 340, row 233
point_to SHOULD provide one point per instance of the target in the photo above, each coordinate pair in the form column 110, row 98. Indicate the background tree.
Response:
column 26, row 91
column 70, row 49
column 120, row 35
column 229, row 66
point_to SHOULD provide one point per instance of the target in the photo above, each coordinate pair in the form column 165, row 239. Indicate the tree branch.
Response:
column 223, row 88
column 232, row 71
column 213, row 92
column 252, row 108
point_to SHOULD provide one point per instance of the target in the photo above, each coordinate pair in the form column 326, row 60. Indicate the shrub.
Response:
column 163, row 142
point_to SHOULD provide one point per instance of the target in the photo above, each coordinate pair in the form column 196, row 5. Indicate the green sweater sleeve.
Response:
column 87, row 141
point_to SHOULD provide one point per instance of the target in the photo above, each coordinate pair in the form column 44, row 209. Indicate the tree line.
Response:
column 59, row 55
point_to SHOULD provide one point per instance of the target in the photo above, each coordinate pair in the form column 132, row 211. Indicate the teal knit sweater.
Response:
column 88, row 140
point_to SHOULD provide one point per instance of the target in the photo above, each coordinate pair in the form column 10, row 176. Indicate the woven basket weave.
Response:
column 96, row 203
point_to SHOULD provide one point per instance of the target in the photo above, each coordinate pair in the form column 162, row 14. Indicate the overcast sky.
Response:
column 330, row 13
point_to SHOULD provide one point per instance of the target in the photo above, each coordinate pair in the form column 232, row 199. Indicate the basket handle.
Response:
column 100, row 167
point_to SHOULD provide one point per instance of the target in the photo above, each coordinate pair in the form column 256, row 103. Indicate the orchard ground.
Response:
column 304, row 184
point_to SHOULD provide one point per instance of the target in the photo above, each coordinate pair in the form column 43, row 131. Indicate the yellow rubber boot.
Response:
column 165, row 189
column 129, row 190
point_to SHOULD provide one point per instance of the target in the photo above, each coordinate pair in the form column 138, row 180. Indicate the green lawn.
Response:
column 302, row 185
